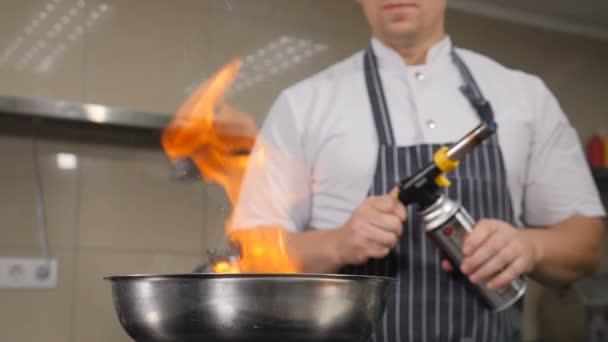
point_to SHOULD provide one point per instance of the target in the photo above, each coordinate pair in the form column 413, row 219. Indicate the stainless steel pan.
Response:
column 249, row 307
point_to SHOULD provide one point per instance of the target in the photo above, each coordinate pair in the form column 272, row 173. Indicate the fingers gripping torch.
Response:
column 445, row 221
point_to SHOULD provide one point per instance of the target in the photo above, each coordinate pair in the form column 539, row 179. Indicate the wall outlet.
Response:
column 28, row 273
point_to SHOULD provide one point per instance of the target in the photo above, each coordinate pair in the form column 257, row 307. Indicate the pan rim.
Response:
column 295, row 276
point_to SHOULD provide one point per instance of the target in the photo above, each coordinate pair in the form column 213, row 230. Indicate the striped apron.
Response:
column 428, row 304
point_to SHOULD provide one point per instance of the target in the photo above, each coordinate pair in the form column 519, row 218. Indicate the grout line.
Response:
column 76, row 254
column 84, row 69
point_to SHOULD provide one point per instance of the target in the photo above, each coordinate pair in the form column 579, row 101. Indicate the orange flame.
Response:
column 225, row 267
column 218, row 138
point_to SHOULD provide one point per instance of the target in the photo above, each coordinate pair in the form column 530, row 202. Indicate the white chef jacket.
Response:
column 314, row 161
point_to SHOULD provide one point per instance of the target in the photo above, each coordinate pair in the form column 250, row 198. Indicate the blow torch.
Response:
column 445, row 221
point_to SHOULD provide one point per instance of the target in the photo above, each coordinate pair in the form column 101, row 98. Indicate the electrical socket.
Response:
column 28, row 273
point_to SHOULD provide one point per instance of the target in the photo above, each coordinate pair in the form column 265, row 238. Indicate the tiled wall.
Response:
column 144, row 54
column 117, row 212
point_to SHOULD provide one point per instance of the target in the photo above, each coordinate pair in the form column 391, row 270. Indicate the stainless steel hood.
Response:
column 83, row 113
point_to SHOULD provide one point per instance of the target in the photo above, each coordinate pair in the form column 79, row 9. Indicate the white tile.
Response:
column 128, row 202
column 17, row 201
column 18, row 206
column 60, row 188
column 96, row 319
column 39, row 314
column 63, row 79
column 150, row 72
column 197, row 39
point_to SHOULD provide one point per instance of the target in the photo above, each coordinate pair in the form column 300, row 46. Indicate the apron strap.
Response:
column 471, row 90
column 377, row 99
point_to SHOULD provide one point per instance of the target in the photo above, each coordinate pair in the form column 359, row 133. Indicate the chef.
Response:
column 336, row 143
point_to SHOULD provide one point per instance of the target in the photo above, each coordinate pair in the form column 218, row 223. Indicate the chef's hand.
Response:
column 372, row 230
column 496, row 253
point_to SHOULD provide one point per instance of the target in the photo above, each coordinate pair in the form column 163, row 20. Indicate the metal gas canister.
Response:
column 447, row 223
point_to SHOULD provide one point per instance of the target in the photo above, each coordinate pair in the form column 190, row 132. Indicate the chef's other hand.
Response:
column 372, row 230
column 496, row 253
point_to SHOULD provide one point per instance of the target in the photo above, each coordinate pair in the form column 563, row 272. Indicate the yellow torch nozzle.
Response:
column 445, row 164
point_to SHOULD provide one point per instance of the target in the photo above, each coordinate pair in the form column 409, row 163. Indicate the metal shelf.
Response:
column 81, row 112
